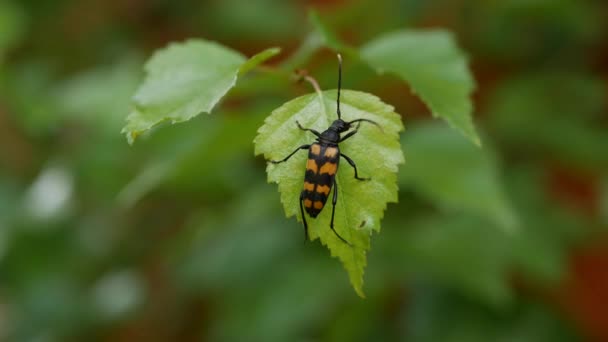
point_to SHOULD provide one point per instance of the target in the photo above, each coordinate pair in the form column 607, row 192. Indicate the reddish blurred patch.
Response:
column 15, row 150
column 575, row 189
column 325, row 3
column 584, row 294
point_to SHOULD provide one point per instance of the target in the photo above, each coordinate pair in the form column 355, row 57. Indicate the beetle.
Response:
column 323, row 161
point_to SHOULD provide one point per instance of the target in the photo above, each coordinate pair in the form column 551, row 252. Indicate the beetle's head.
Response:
column 340, row 126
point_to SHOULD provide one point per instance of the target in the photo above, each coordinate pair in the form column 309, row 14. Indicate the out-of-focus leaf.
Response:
column 100, row 96
column 469, row 254
column 187, row 160
column 251, row 233
column 540, row 251
column 533, row 32
column 184, row 80
column 9, row 209
column 263, row 317
column 538, row 113
column 438, row 315
column 377, row 153
column 435, row 68
column 12, row 25
column 452, row 173
column 24, row 82
column 327, row 37
column 228, row 145
column 320, row 36
column 262, row 20
column 458, row 251
column 43, row 286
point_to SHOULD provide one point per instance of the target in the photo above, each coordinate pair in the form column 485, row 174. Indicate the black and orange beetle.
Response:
column 322, row 165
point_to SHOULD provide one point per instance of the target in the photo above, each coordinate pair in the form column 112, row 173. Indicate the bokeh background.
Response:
column 180, row 238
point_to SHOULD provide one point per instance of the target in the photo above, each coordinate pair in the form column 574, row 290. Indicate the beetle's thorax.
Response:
column 332, row 134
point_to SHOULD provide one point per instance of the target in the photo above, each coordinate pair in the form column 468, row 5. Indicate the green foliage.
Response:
column 428, row 60
column 361, row 204
column 99, row 241
column 99, row 96
column 448, row 250
column 326, row 36
column 184, row 80
column 208, row 71
column 270, row 19
column 455, row 175
column 572, row 130
column 25, row 81
column 191, row 165
column 438, row 315
column 434, row 67
column 12, row 25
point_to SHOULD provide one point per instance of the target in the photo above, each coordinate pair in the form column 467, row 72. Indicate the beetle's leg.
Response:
column 333, row 211
column 308, row 129
column 303, row 147
column 303, row 217
column 350, row 134
column 352, row 163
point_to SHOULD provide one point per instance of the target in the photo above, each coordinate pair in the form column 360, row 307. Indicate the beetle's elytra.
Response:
column 320, row 174
column 322, row 164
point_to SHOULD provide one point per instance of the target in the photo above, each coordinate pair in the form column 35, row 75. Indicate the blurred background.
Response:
column 180, row 238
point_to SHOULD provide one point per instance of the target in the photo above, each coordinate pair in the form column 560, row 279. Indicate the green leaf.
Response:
column 435, row 68
column 455, row 175
column 361, row 204
column 184, row 80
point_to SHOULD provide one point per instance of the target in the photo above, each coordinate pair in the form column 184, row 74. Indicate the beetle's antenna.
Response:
column 366, row 120
column 339, row 84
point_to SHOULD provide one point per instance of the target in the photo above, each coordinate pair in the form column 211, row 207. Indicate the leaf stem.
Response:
column 275, row 71
column 314, row 84
column 298, row 75
column 318, row 90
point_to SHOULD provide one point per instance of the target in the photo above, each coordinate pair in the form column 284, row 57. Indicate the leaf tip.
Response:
column 127, row 134
column 359, row 291
column 131, row 136
column 274, row 50
column 257, row 59
column 477, row 141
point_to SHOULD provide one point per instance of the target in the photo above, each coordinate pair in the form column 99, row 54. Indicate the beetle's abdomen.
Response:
column 321, row 169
